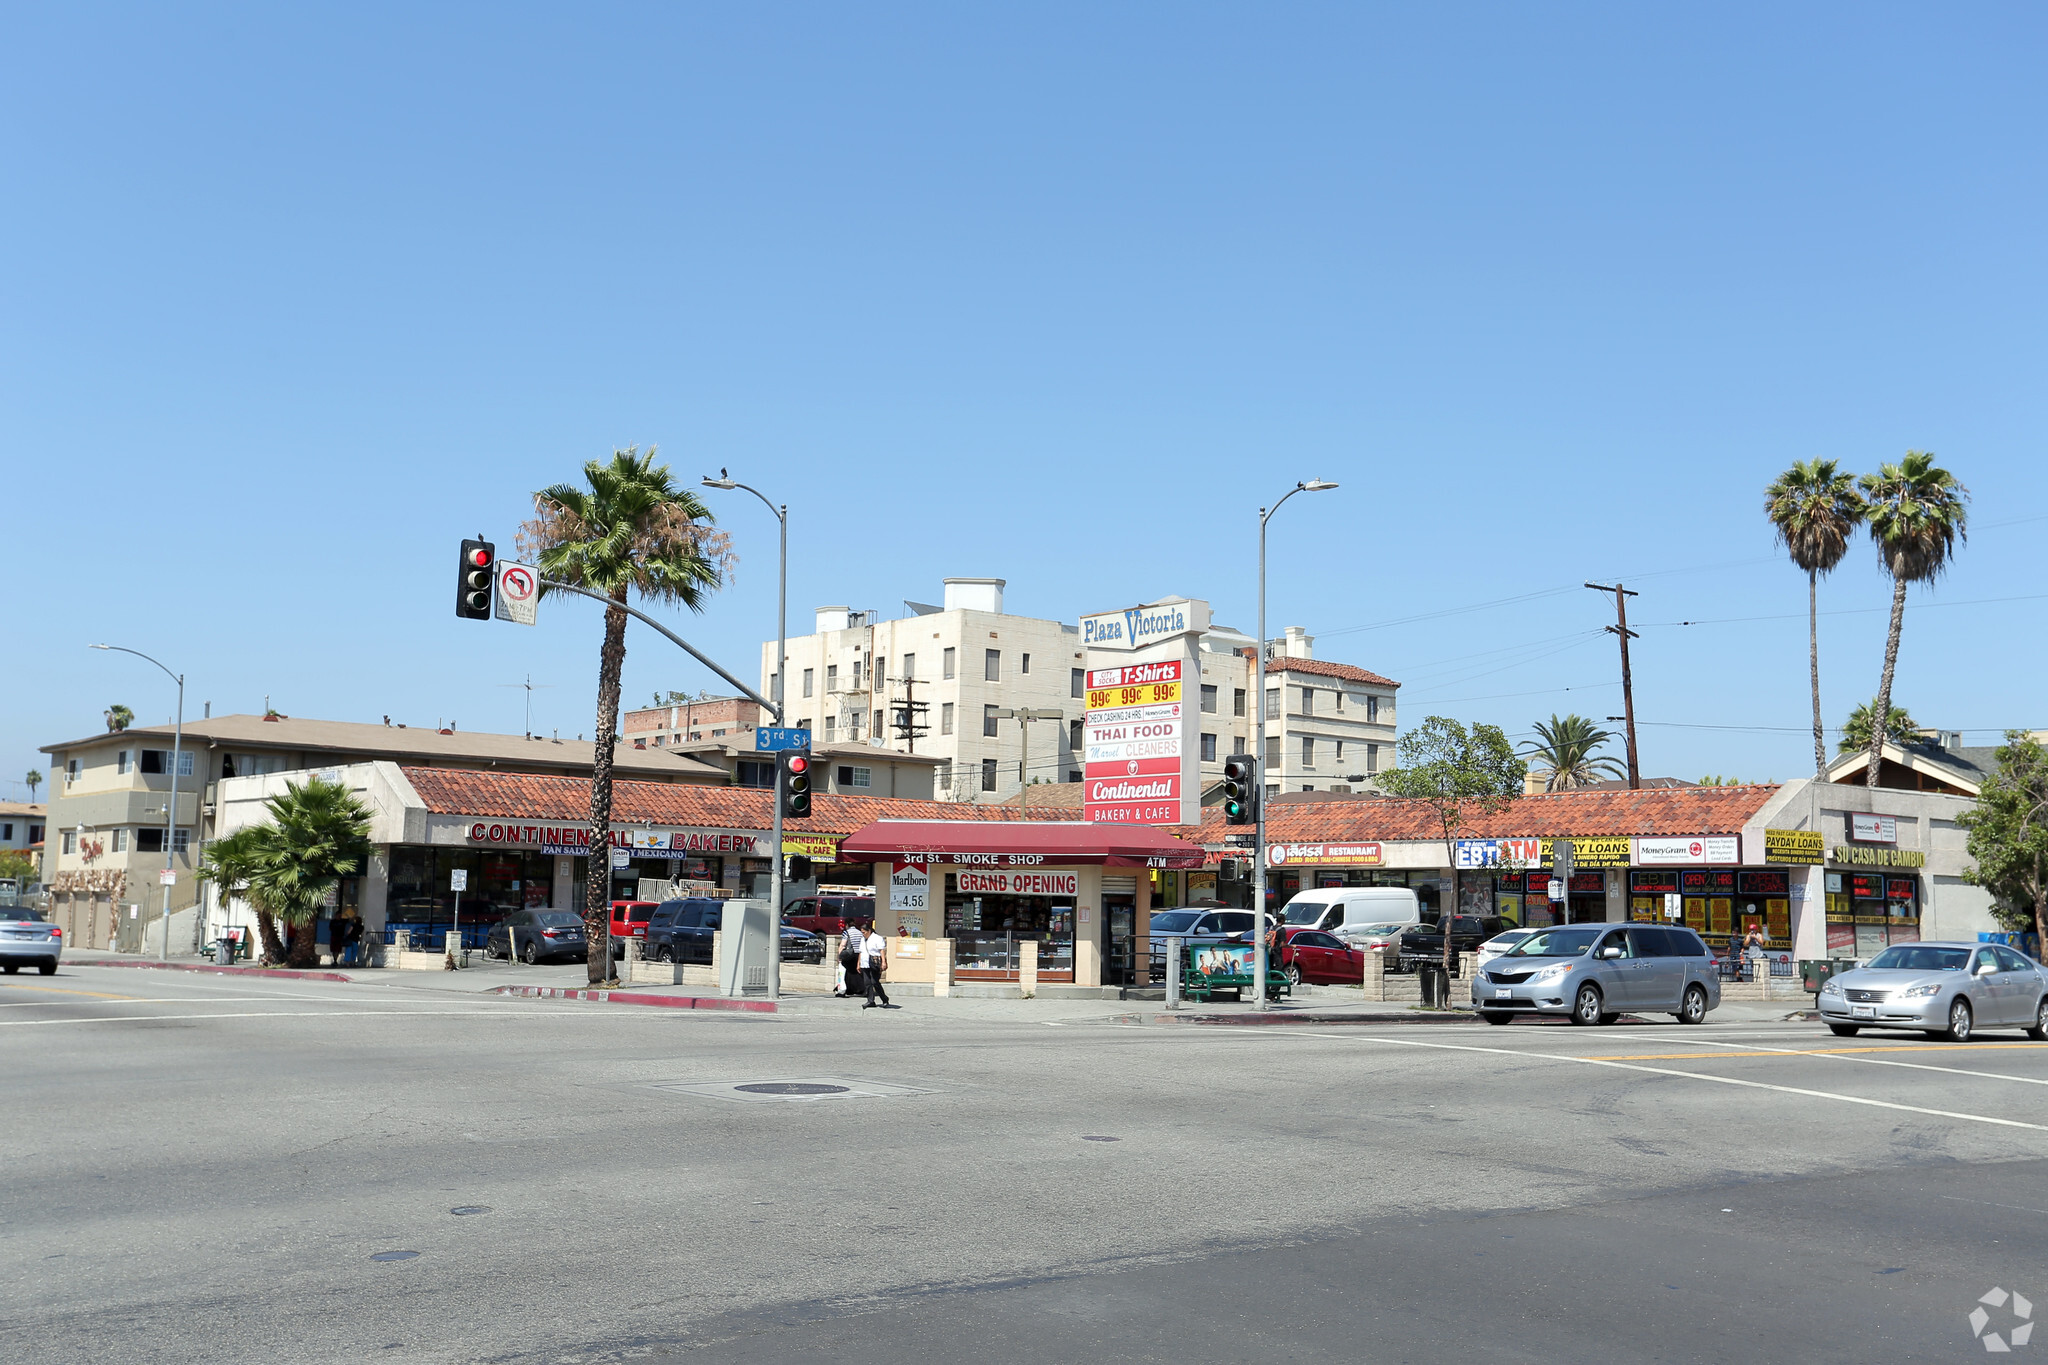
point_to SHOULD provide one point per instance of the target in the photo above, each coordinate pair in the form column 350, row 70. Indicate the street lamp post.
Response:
column 777, row 701
column 171, row 806
column 1024, row 715
column 1259, row 746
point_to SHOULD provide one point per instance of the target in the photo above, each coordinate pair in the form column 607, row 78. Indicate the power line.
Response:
column 1853, row 611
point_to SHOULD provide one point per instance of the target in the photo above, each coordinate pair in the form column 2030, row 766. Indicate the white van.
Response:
column 1363, row 916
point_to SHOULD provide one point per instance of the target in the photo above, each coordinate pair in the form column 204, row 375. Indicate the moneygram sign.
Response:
column 1141, row 764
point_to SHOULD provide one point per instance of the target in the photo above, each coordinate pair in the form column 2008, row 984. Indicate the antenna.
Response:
column 530, row 686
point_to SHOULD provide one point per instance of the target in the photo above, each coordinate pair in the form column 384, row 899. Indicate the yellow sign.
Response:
column 1144, row 694
column 1880, row 857
column 1804, row 846
column 812, row 845
column 1591, row 853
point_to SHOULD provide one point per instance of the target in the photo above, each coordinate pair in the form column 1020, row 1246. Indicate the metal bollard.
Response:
column 1173, row 973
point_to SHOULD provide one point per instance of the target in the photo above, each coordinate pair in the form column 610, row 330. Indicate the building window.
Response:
column 149, row 839
column 875, row 726
column 1308, row 786
column 1073, row 777
column 775, row 687
column 1074, row 735
column 1208, row 748
column 1024, row 664
column 988, row 721
column 988, row 774
column 756, row 773
column 1372, row 758
column 1209, row 698
column 7, row 833
column 950, row 653
column 828, row 726
column 1372, row 710
column 831, row 676
column 1337, row 700
column 1272, row 789
column 71, row 841
column 1237, row 744
column 716, row 733
column 1340, row 750
column 1308, row 751
column 122, row 763
column 942, row 777
column 946, row 718
column 810, row 675
column 1273, row 755
column 157, row 762
column 1308, row 701
column 856, row 673
column 70, row 770
column 909, row 666
column 992, row 665
column 856, row 777
column 1077, row 684
column 121, row 835
column 1237, row 701
column 1272, row 703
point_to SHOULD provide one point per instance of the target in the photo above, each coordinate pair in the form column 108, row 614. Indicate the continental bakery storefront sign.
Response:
column 575, row 839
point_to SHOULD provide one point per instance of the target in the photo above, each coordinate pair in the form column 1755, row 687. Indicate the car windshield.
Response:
column 1173, row 921
column 1920, row 958
column 1508, row 939
column 1556, row 943
column 556, row 919
column 1305, row 912
column 21, row 916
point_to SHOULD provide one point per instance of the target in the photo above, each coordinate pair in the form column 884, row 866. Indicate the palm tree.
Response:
column 1917, row 514
column 1565, row 750
column 34, row 780
column 1815, row 507
column 1856, row 732
column 317, row 834
column 630, row 529
column 119, row 717
column 233, row 863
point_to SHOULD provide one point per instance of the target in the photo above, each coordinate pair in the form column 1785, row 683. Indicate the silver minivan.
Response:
column 1597, row 972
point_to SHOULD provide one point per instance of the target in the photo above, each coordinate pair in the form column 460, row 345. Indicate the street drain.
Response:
column 394, row 1255
column 792, row 1088
column 465, row 1210
column 1100, row 1139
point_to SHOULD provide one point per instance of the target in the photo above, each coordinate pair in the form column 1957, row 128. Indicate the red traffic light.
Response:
column 799, row 764
column 480, row 557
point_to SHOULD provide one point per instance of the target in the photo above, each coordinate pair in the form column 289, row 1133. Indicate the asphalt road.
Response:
column 204, row 1169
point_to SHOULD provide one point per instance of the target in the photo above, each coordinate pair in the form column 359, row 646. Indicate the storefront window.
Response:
column 986, row 930
column 420, row 898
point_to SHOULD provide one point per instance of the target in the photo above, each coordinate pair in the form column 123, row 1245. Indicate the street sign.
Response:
column 622, row 857
column 518, row 593
column 1674, row 905
column 770, row 739
column 1557, row 888
column 458, row 879
column 1561, row 858
column 167, row 877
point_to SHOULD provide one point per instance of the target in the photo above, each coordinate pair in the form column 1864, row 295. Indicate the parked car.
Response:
column 1356, row 913
column 1595, row 973
column 828, row 914
column 26, row 937
column 533, row 935
column 1948, row 990
column 1500, row 943
column 629, row 920
column 1321, row 958
column 1425, row 942
column 1201, row 924
column 682, row 929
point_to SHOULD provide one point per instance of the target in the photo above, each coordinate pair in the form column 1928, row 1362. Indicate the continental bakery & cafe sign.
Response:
column 575, row 839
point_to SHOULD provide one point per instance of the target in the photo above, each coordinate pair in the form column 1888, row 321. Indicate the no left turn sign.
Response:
column 518, row 593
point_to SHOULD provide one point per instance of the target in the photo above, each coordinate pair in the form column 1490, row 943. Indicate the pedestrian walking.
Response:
column 849, row 961
column 873, row 949
column 1753, row 948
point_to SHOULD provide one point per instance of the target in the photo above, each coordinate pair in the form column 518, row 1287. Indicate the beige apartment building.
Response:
column 684, row 719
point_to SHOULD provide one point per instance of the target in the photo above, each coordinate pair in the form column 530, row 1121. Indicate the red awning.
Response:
column 1018, row 843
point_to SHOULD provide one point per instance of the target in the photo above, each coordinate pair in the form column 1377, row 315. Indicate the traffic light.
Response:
column 799, row 868
column 1240, row 790
column 473, row 580
column 794, row 784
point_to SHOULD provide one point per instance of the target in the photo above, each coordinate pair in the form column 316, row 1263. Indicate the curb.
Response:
column 602, row 997
column 288, row 973
column 1320, row 1020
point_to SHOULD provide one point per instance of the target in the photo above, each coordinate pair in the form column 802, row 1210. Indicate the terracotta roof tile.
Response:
column 1652, row 811
column 1324, row 668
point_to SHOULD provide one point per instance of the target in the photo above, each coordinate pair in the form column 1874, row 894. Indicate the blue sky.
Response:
column 296, row 297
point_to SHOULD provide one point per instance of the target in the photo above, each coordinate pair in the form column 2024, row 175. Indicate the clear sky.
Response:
column 295, row 297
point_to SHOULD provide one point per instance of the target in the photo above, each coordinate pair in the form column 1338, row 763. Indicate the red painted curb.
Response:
column 600, row 997
column 221, row 971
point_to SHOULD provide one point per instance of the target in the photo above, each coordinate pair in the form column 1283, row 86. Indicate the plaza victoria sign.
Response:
column 1134, row 770
column 1018, row 883
column 575, row 839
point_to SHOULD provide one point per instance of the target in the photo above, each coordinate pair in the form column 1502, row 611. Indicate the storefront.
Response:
column 1292, row 868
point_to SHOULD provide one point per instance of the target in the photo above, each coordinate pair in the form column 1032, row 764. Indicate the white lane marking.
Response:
column 1989, row 1204
column 1873, row 1061
column 339, row 1014
column 1703, row 1076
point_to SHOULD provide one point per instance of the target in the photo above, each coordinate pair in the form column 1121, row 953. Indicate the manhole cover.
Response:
column 394, row 1255
column 792, row 1088
column 465, row 1210
column 800, row 1090
column 1101, row 1139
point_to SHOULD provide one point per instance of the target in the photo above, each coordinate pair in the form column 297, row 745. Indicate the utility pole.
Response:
column 910, row 713
column 1024, row 716
column 1628, row 697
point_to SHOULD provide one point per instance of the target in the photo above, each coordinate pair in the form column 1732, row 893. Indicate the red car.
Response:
column 824, row 915
column 1320, row 958
column 629, row 920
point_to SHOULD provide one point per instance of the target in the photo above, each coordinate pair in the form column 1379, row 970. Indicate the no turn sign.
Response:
column 518, row 593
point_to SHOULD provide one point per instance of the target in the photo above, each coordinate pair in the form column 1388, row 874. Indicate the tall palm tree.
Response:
column 1856, row 730
column 630, row 529
column 1917, row 514
column 1815, row 508
column 34, row 780
column 1566, row 749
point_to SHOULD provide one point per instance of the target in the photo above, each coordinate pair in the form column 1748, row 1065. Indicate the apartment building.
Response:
column 1329, row 726
column 950, row 668
column 21, row 824
column 682, row 720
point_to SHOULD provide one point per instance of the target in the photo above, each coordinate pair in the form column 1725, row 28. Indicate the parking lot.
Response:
column 207, row 1167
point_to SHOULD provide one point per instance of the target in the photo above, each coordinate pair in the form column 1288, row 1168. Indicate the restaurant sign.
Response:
column 1324, row 855
column 1019, row 883
column 1805, row 846
column 1880, row 857
column 824, row 846
column 1699, row 848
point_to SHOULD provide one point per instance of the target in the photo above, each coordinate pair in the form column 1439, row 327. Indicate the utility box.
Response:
column 746, row 938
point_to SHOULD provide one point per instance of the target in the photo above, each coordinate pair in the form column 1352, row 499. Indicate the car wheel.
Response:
column 1959, row 1021
column 47, row 968
column 1293, row 974
column 1845, row 1030
column 1586, row 1006
column 529, row 954
column 1495, row 1016
column 2039, row 1032
column 1693, row 1008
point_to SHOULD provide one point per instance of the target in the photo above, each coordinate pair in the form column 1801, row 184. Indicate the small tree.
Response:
column 1566, row 752
column 34, row 780
column 317, row 834
column 119, row 718
column 2008, row 835
column 1898, row 727
column 1460, row 775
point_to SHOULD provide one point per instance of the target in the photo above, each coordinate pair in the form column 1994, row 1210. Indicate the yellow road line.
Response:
column 59, row 990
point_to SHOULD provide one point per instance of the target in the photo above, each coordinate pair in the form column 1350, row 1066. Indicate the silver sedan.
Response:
column 26, row 939
column 1947, row 990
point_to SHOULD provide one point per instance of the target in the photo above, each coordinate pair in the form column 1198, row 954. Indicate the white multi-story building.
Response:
column 851, row 681
column 1329, row 726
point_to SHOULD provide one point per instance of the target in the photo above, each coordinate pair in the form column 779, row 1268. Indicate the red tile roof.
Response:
column 1652, row 811
column 1324, row 668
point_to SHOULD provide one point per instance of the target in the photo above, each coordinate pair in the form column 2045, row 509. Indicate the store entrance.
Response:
column 1119, row 916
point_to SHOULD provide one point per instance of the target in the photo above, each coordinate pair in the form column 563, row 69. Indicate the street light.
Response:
column 171, row 806
column 1259, row 747
column 728, row 483
column 1024, row 715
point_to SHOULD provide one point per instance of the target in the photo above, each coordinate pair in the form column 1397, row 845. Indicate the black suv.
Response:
column 681, row 929
column 1425, row 943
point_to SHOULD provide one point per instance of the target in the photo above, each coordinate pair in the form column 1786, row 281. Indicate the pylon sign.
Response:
column 519, row 594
